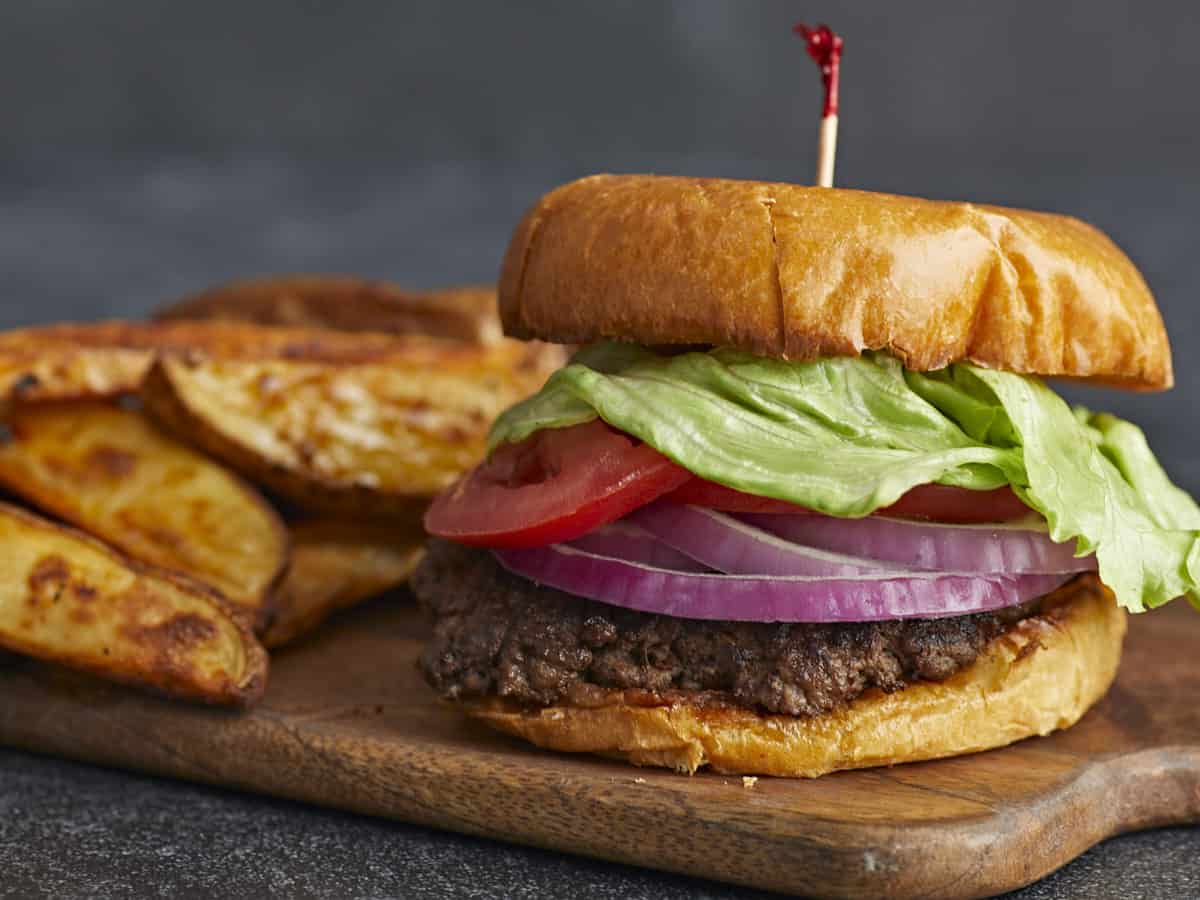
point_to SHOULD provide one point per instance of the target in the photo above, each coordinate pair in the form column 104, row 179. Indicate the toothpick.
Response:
column 825, row 48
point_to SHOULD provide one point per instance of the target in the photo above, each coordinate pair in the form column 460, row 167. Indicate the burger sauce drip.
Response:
column 825, row 48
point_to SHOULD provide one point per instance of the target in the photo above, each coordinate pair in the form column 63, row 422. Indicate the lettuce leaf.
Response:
column 847, row 436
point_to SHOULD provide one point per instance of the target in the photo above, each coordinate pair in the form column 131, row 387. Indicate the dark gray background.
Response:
column 149, row 148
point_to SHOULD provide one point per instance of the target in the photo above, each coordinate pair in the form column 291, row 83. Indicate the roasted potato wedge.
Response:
column 336, row 564
column 348, row 304
column 111, row 472
column 47, row 364
column 335, row 421
column 104, row 359
column 67, row 598
column 376, row 438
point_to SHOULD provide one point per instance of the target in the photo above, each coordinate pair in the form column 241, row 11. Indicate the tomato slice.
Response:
column 558, row 485
column 699, row 492
column 562, row 483
column 958, row 506
column 935, row 502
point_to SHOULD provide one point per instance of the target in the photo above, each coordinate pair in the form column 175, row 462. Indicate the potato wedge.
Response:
column 113, row 473
column 348, row 304
column 105, row 359
column 372, row 438
column 336, row 564
column 47, row 364
column 67, row 598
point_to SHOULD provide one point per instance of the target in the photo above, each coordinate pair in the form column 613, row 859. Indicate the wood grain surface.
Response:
column 348, row 723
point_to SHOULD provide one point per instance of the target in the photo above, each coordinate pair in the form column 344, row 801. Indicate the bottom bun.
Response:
column 1041, row 675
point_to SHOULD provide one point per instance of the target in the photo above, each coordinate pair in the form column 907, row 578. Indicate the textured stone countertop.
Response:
column 69, row 830
column 88, row 240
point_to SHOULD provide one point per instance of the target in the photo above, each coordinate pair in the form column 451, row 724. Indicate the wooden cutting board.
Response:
column 348, row 723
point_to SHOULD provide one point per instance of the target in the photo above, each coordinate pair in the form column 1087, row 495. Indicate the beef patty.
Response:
column 498, row 634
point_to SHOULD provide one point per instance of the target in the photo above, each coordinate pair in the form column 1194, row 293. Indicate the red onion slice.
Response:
column 624, row 540
column 729, row 545
column 745, row 598
column 1001, row 548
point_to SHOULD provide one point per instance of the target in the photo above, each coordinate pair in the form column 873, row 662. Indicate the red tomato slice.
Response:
column 958, row 506
column 556, row 486
column 935, row 502
column 699, row 492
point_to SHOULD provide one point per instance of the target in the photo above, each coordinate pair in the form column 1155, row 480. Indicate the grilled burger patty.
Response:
column 498, row 634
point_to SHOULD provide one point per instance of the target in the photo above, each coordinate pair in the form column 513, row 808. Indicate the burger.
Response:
column 802, row 501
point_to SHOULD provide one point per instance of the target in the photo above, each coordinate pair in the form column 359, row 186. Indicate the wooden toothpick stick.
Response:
column 825, row 48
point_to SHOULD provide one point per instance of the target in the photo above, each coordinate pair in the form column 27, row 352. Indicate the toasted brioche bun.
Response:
column 1041, row 675
column 803, row 272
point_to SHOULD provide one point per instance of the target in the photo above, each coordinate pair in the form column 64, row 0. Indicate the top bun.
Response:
column 804, row 272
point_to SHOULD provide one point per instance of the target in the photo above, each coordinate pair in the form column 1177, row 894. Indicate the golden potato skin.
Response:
column 68, row 599
column 346, row 303
column 352, row 423
column 111, row 472
column 377, row 438
column 337, row 564
column 106, row 359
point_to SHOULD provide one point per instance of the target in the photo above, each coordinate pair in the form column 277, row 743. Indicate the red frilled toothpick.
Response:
column 825, row 48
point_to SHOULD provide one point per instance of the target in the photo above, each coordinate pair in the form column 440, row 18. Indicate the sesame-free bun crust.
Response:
column 1041, row 675
column 803, row 272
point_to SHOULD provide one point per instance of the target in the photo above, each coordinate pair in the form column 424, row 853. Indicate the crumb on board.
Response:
column 749, row 781
column 639, row 781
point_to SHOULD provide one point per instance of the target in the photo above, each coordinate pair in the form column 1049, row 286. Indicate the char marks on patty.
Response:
column 498, row 634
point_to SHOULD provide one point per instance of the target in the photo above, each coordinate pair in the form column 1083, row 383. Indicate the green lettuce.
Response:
column 847, row 436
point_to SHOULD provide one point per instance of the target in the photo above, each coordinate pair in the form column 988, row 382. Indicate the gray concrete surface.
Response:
column 70, row 831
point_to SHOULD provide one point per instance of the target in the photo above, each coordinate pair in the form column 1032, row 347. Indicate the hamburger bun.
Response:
column 1041, row 675
column 804, row 272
